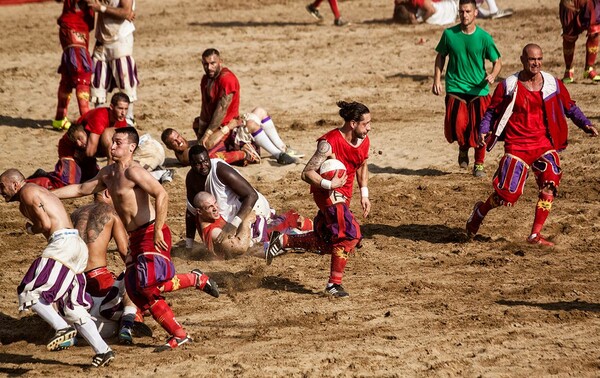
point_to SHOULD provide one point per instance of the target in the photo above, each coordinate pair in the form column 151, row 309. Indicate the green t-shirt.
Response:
column 466, row 60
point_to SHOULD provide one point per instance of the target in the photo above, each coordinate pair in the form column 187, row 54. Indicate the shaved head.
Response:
column 12, row 174
column 530, row 46
column 201, row 198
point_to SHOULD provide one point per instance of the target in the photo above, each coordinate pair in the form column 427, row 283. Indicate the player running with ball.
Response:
column 336, row 230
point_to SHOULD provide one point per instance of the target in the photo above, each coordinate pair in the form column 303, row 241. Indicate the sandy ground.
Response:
column 424, row 300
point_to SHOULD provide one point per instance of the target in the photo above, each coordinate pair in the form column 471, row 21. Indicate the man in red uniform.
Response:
column 73, row 166
column 76, row 21
column 150, row 272
column 220, row 127
column 100, row 123
column 528, row 112
column 335, row 225
column 313, row 9
column 576, row 17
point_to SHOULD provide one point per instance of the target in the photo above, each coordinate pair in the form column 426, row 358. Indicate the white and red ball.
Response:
column 332, row 168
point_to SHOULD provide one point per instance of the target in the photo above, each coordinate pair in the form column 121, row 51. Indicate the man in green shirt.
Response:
column 467, row 47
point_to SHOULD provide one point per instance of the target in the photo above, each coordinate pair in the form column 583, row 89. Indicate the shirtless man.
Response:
column 97, row 224
column 253, row 229
column 56, row 277
column 130, row 186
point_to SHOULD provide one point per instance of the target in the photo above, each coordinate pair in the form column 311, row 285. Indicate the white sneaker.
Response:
column 502, row 13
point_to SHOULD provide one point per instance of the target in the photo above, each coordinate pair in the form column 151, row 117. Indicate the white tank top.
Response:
column 111, row 29
column 229, row 202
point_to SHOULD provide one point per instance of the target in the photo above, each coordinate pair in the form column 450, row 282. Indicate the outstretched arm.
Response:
column 79, row 190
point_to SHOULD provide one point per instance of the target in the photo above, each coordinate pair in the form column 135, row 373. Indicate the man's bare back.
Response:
column 98, row 223
column 45, row 211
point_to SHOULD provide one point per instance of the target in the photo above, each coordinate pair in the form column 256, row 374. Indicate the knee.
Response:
column 260, row 112
column 548, row 189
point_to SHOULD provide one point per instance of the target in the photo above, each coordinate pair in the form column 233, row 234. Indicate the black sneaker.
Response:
column 173, row 343
column 285, row 159
column 275, row 247
column 60, row 337
column 340, row 22
column 336, row 291
column 206, row 284
column 463, row 159
column 103, row 359
column 314, row 12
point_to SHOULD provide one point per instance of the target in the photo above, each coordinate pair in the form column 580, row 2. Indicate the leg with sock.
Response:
column 542, row 210
column 568, row 55
column 339, row 258
column 162, row 313
column 478, row 167
column 479, row 212
column 82, row 91
column 60, row 121
column 591, row 52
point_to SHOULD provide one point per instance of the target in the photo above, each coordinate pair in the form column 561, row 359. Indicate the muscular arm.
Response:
column 192, row 188
column 79, row 190
column 92, row 145
column 311, row 175
column 119, row 234
column 242, row 188
column 150, row 185
column 220, row 112
column 440, row 62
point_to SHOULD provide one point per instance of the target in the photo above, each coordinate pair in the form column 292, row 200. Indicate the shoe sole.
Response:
column 54, row 344
column 105, row 362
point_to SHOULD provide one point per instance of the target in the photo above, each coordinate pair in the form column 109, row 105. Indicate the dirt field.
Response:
column 424, row 300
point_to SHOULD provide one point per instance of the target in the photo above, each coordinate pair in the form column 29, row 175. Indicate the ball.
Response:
column 332, row 168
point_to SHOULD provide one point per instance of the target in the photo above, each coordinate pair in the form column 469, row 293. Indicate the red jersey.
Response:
column 526, row 129
column 223, row 85
column 207, row 229
column 352, row 157
column 97, row 120
column 76, row 15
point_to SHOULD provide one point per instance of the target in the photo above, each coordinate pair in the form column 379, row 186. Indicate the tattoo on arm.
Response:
column 323, row 151
column 220, row 112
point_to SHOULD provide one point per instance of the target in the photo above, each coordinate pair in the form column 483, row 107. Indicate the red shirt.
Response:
column 526, row 129
column 207, row 229
column 76, row 15
column 97, row 120
column 223, row 85
column 352, row 157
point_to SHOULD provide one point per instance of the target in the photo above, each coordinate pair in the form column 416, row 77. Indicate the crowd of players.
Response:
column 70, row 286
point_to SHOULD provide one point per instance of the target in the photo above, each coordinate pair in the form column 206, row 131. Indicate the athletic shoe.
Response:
column 285, row 159
column 341, row 22
column 590, row 73
column 474, row 221
column 61, row 124
column 61, row 336
column 167, row 176
column 502, row 13
column 275, row 247
column 173, row 343
column 569, row 77
column 314, row 12
column 539, row 240
column 206, row 284
column 336, row 291
column 67, row 344
column 463, row 159
column 293, row 153
column 140, row 329
column 478, row 170
column 103, row 359
column 125, row 337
